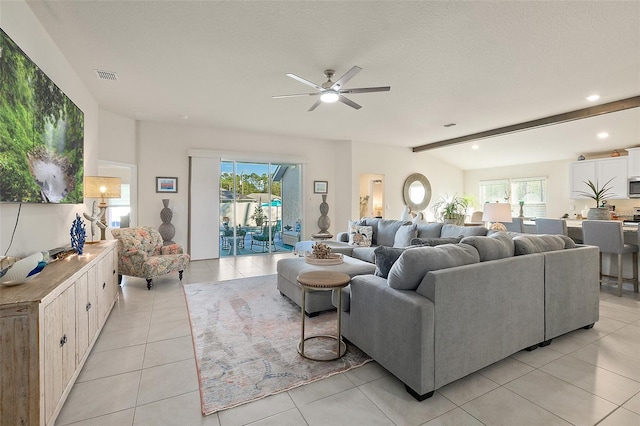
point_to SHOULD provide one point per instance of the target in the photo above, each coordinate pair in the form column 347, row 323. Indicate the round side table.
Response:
column 323, row 280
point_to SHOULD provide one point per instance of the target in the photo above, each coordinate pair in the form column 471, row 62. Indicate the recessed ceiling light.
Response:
column 593, row 98
column 603, row 135
column 474, row 146
column 184, row 117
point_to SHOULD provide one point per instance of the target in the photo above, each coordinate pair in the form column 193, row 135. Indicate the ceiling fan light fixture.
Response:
column 329, row 96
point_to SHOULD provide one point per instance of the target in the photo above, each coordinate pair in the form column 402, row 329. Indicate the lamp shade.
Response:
column 102, row 187
column 496, row 212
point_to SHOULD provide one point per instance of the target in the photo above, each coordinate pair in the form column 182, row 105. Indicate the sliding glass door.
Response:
column 258, row 203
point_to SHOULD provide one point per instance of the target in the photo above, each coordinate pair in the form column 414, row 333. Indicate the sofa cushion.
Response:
column 385, row 257
column 404, row 235
column 449, row 230
column 568, row 242
column 434, row 241
column 360, row 235
column 364, row 253
column 528, row 244
column 387, row 229
column 495, row 246
column 414, row 263
column 429, row 230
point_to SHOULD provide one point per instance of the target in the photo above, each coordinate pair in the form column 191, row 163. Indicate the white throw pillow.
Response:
column 360, row 235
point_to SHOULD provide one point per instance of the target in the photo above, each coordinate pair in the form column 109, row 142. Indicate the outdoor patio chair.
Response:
column 264, row 238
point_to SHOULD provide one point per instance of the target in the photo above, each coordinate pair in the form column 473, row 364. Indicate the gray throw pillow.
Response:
column 414, row 263
column 496, row 246
column 385, row 257
column 528, row 244
column 429, row 230
column 434, row 241
column 404, row 235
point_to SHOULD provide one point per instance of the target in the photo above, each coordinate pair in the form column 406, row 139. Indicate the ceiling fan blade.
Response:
column 346, row 77
column 367, row 90
column 302, row 80
column 314, row 106
column 349, row 102
column 296, row 95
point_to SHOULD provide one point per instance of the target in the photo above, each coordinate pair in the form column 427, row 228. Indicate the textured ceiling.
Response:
column 481, row 65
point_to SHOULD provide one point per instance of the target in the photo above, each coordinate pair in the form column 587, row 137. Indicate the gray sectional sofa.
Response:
column 444, row 312
column 361, row 259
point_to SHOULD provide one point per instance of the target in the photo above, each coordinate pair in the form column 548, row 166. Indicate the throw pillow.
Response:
column 360, row 235
column 414, row 263
column 430, row 230
column 404, row 235
column 495, row 246
column 385, row 257
column 434, row 241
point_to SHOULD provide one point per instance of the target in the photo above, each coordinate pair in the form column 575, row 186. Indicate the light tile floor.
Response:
column 142, row 372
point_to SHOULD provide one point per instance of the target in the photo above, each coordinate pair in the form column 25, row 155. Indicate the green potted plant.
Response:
column 599, row 194
column 258, row 214
column 450, row 209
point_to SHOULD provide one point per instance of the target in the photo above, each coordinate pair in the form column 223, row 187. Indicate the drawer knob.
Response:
column 88, row 306
column 63, row 340
column 104, row 285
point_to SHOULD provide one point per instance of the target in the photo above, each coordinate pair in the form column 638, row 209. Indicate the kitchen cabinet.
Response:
column 47, row 330
column 633, row 162
column 600, row 171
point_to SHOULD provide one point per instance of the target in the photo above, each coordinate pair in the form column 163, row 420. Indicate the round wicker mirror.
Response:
column 417, row 192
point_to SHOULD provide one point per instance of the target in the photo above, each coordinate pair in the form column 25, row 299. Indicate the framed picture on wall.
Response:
column 166, row 184
column 320, row 186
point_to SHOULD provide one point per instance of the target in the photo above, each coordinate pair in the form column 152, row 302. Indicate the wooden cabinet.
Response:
column 47, row 328
column 599, row 170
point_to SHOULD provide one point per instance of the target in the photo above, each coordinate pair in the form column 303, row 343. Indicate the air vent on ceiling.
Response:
column 106, row 75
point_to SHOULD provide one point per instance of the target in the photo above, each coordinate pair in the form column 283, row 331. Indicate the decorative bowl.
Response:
column 16, row 272
column 334, row 259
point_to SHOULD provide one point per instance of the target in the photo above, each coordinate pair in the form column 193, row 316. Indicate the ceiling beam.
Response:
column 565, row 117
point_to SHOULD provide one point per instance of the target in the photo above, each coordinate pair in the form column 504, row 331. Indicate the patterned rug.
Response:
column 245, row 335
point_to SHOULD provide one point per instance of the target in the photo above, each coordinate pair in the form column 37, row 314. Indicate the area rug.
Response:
column 245, row 335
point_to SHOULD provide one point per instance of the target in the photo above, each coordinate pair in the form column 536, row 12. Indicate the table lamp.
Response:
column 102, row 187
column 496, row 213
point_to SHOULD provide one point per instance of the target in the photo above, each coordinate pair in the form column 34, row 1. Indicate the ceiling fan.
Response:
column 331, row 92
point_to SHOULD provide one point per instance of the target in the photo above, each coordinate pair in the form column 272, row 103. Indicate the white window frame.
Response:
column 540, row 209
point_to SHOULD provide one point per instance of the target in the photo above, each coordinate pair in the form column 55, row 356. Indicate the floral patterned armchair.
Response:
column 141, row 254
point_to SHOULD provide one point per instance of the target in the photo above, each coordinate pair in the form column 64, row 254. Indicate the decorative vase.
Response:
column 324, row 222
column 166, row 229
column 521, row 214
column 598, row 213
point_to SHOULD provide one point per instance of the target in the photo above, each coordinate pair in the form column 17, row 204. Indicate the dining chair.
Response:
column 609, row 237
column 551, row 226
column 516, row 225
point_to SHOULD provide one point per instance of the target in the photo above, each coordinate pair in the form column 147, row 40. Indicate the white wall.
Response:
column 396, row 164
column 163, row 149
column 45, row 226
column 117, row 138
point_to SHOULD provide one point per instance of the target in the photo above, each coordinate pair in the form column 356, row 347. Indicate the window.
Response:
column 531, row 191
column 119, row 207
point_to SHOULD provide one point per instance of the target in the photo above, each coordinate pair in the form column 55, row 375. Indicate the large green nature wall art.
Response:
column 41, row 134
